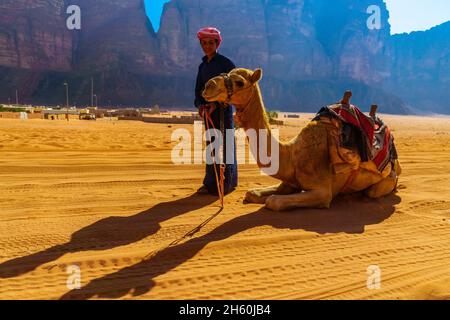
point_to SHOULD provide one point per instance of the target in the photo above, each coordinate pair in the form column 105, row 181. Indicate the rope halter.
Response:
column 228, row 86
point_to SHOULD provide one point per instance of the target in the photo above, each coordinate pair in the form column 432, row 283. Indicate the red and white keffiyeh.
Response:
column 211, row 33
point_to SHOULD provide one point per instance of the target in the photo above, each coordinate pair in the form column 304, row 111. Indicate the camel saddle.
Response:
column 368, row 135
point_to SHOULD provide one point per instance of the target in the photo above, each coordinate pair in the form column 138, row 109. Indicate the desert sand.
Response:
column 103, row 196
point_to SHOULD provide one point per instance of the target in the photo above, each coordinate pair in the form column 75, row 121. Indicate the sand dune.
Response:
column 104, row 195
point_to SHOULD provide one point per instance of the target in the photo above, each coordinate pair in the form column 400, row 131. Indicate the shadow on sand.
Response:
column 138, row 279
column 108, row 233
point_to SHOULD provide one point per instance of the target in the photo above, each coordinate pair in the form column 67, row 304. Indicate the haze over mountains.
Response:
column 310, row 50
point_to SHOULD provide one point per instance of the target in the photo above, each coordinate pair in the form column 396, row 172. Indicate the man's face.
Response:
column 209, row 46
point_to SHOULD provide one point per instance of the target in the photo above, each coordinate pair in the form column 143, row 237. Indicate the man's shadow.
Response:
column 108, row 233
column 138, row 279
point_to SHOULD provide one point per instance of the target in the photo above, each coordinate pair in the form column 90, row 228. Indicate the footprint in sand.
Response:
column 116, row 147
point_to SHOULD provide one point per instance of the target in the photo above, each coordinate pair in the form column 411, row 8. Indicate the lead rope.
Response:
column 220, row 177
column 220, row 181
column 222, row 165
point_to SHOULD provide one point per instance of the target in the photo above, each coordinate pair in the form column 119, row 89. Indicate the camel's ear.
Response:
column 256, row 76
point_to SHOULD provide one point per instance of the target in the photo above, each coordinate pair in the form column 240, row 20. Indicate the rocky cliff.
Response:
column 311, row 50
column 421, row 68
column 296, row 39
column 308, row 49
column 32, row 35
column 115, row 34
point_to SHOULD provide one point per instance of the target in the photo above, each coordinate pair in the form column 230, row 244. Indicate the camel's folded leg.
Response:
column 384, row 187
column 260, row 195
column 308, row 199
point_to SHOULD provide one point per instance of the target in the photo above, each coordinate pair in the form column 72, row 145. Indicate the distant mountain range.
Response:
column 310, row 50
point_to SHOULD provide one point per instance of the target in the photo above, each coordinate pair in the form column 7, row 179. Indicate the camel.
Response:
column 313, row 168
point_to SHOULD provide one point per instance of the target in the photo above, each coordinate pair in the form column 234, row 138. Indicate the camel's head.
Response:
column 234, row 88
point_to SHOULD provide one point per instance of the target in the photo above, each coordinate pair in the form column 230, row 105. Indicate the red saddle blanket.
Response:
column 376, row 143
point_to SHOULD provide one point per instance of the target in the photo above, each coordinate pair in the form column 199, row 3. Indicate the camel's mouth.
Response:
column 210, row 97
column 212, row 90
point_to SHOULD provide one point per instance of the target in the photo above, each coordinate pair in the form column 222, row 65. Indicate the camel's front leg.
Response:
column 260, row 196
column 308, row 199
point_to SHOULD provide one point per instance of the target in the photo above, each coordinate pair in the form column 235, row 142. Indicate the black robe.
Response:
column 207, row 70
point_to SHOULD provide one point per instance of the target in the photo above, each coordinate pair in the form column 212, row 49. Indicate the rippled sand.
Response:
column 103, row 196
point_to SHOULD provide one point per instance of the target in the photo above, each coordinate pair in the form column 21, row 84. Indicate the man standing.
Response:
column 212, row 66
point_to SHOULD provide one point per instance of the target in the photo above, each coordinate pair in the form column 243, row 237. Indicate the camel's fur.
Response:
column 313, row 168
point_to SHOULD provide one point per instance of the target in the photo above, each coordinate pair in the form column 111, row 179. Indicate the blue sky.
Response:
column 415, row 15
column 405, row 15
column 154, row 10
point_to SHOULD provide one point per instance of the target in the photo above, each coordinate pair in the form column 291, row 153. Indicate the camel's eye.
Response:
column 240, row 84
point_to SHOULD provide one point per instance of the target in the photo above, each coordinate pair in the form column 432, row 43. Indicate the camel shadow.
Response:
column 138, row 279
column 108, row 233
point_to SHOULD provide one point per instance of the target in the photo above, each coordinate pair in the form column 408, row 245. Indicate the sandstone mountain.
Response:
column 311, row 51
column 421, row 68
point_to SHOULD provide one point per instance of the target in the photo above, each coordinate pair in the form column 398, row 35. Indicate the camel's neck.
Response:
column 253, row 116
